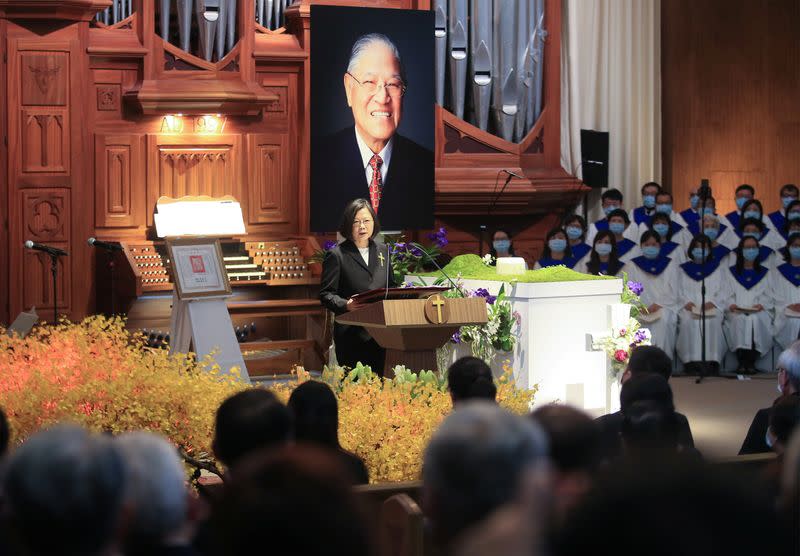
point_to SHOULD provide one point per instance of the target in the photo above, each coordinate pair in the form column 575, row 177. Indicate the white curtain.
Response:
column 611, row 81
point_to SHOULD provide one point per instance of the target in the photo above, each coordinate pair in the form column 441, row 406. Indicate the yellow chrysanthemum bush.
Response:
column 98, row 375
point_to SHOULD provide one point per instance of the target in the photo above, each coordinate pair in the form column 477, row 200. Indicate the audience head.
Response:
column 248, row 421
column 502, row 245
column 316, row 414
column 555, row 242
column 611, row 200
column 475, row 463
column 156, row 494
column 783, row 420
column 662, row 225
column 789, row 194
column 297, row 499
column 649, row 192
column 64, row 491
column 358, row 213
column 649, row 429
column 789, row 500
column 788, row 367
column 651, row 386
column 575, row 227
column 744, row 193
column 645, row 360
column 470, row 378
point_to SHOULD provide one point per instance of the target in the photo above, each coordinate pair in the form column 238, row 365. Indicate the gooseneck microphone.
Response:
column 104, row 244
column 510, row 173
column 433, row 260
column 54, row 251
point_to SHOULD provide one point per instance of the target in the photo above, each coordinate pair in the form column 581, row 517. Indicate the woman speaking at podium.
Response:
column 356, row 265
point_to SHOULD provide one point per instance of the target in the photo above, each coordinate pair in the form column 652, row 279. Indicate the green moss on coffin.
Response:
column 471, row 267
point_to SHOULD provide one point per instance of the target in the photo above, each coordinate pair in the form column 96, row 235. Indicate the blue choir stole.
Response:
column 640, row 215
column 668, row 247
column 719, row 252
column 733, row 218
column 779, row 221
column 763, row 253
column 652, row 266
column 694, row 228
column 624, row 246
column 604, row 268
column 601, row 225
column 579, row 251
column 697, row 271
column 749, row 277
column 791, row 273
column 569, row 262
column 690, row 217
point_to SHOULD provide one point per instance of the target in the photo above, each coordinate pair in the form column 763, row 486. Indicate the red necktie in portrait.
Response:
column 376, row 184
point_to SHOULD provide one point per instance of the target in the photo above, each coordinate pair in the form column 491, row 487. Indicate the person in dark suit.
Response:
column 370, row 159
column 356, row 265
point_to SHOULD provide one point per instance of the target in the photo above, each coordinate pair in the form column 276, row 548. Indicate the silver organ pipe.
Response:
column 230, row 36
column 222, row 28
column 504, row 91
column 440, row 41
column 524, row 76
column 165, row 7
column 457, row 15
column 481, row 60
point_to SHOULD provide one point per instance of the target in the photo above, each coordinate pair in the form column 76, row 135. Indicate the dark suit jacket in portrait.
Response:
column 344, row 274
column 338, row 177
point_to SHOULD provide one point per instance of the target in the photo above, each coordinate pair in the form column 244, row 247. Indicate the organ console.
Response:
column 275, row 309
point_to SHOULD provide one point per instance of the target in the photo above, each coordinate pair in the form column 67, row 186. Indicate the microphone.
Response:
column 52, row 251
column 431, row 259
column 104, row 244
column 388, row 270
column 510, row 173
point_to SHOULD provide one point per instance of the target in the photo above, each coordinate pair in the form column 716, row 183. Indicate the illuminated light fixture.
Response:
column 209, row 123
column 172, row 123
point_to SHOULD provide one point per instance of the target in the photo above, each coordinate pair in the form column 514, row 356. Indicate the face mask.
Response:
column 557, row 244
column 741, row 202
column 661, row 229
column 649, row 201
column 573, row 232
column 750, row 253
column 664, row 208
column 707, row 211
column 616, row 228
column 610, row 208
column 603, row 249
column 752, row 214
column 793, row 215
column 711, row 233
column 698, row 253
column 651, row 251
column 501, row 245
column 751, row 234
column 794, row 252
column 787, row 201
column 694, row 201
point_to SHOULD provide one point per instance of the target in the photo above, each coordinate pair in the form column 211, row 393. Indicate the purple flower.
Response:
column 635, row 287
column 456, row 338
column 439, row 236
column 483, row 292
column 329, row 245
column 416, row 251
column 639, row 337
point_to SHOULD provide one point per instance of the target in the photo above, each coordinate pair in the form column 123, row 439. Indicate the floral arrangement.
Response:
column 408, row 258
column 98, row 375
column 621, row 341
column 319, row 255
column 630, row 295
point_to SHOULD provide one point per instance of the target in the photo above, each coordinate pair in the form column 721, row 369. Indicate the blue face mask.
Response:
column 707, row 211
column 610, row 208
column 794, row 252
column 752, row 214
column 750, row 253
column 698, row 253
column 501, row 245
column 557, row 244
column 661, row 229
column 787, row 201
column 711, row 233
column 603, row 249
column 751, row 234
column 651, row 251
column 664, row 208
column 793, row 216
column 694, row 201
column 616, row 227
column 574, row 232
column 741, row 202
column 649, row 201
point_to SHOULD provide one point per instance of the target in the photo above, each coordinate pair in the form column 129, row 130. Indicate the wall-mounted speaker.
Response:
column 594, row 157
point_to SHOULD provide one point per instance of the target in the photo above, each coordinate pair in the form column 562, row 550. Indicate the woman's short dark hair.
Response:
column 621, row 214
column 701, row 240
column 469, row 378
column 316, row 414
column 659, row 217
column 649, row 234
column 349, row 216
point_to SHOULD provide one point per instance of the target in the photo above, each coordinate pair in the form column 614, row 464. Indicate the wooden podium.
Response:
column 412, row 329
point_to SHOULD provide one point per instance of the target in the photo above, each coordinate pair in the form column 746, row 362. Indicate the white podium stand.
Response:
column 552, row 349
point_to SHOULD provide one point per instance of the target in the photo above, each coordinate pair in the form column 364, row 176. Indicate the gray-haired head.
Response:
column 475, row 462
column 789, row 360
column 64, row 490
column 364, row 42
column 156, row 491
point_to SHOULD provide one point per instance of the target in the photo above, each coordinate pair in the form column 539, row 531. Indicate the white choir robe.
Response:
column 660, row 289
column 689, row 345
column 785, row 293
column 581, row 266
column 743, row 331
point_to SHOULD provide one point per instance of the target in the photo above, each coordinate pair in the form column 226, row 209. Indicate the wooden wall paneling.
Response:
column 272, row 187
column 179, row 165
column 119, row 181
column 4, row 192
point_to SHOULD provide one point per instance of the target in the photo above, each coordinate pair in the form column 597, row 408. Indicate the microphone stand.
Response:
column 702, row 374
column 54, row 273
column 482, row 227
column 112, row 267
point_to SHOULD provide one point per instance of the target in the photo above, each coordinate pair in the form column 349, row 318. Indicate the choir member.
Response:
column 611, row 200
column 786, row 294
column 671, row 246
column 713, row 230
column 642, row 215
column 689, row 342
column 756, row 229
column 556, row 250
column 602, row 259
column 502, row 246
column 619, row 224
column 657, row 274
column 748, row 323
column 789, row 195
column 753, row 211
column 692, row 214
column 575, row 227
column 744, row 193
column 791, row 215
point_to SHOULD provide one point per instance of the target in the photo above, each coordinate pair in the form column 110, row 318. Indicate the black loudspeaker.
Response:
column 594, row 157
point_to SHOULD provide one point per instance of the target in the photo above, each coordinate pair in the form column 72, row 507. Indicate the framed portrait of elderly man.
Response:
column 372, row 115
column 197, row 268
